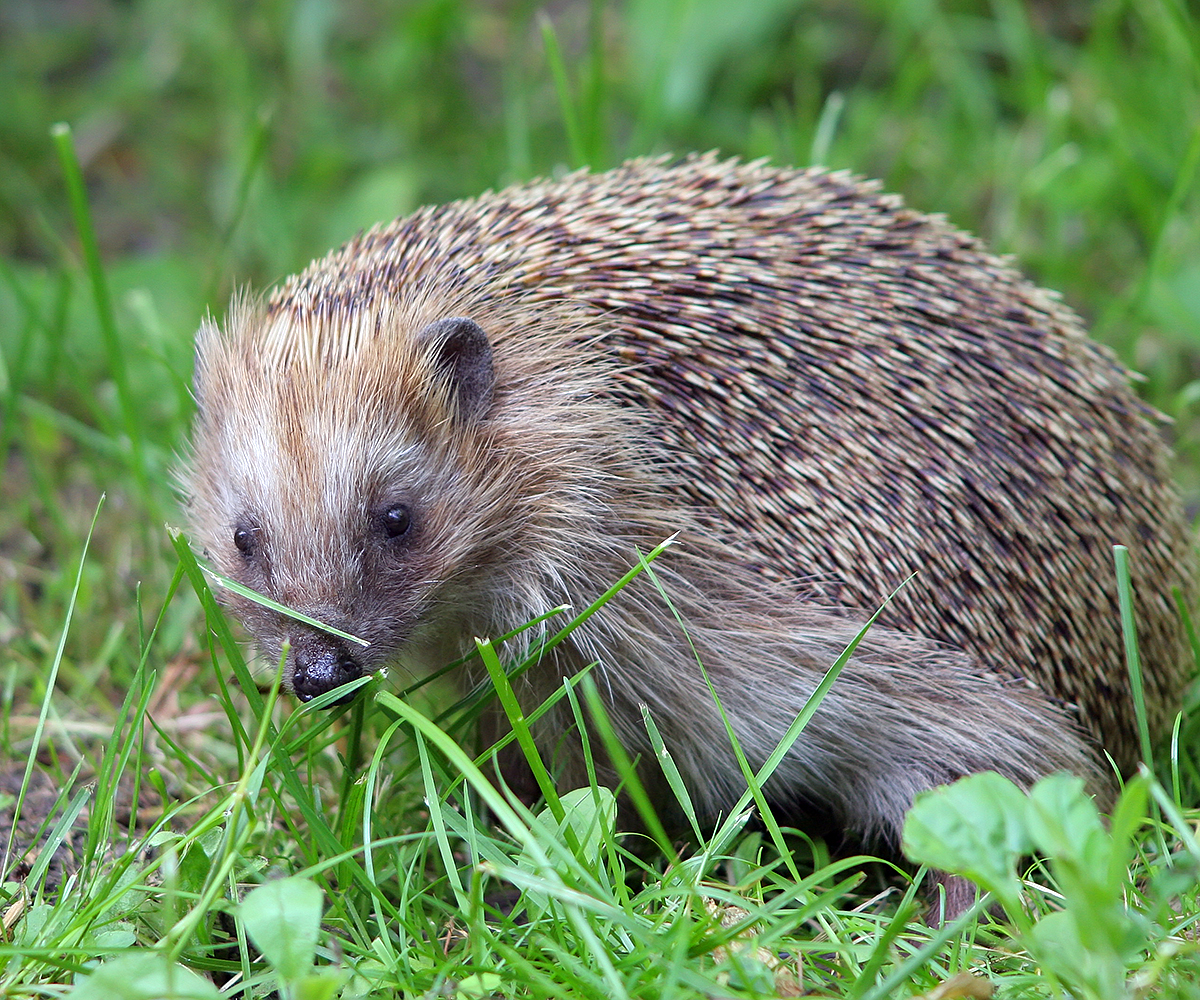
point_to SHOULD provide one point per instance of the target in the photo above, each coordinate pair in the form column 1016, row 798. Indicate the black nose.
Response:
column 318, row 666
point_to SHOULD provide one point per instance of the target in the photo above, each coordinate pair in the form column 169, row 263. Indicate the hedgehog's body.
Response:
column 822, row 392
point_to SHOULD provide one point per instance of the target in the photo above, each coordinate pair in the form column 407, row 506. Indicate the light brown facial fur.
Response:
column 470, row 416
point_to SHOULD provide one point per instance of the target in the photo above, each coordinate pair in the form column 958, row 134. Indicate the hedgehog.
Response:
column 467, row 418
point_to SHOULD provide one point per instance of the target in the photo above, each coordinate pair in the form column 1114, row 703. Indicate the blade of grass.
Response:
column 113, row 348
column 51, row 678
column 520, row 728
column 253, row 595
column 59, row 833
column 626, row 769
column 259, row 135
column 562, row 86
column 1132, row 660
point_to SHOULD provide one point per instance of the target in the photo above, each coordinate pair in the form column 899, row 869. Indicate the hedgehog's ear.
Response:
column 462, row 356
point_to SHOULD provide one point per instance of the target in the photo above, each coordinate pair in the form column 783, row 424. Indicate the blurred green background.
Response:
column 224, row 144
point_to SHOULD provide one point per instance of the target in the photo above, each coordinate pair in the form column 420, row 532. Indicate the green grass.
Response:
column 222, row 145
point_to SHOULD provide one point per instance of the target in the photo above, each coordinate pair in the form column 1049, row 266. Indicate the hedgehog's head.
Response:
column 336, row 470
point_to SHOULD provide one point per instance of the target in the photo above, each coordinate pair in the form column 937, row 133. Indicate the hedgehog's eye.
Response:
column 396, row 521
column 245, row 538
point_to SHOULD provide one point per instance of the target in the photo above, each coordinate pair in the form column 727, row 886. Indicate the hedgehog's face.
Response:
column 339, row 490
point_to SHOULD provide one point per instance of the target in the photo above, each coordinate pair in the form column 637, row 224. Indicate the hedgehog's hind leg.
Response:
column 904, row 716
